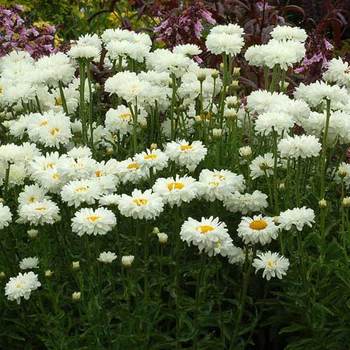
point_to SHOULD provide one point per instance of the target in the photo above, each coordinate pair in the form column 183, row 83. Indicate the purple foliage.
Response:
column 15, row 34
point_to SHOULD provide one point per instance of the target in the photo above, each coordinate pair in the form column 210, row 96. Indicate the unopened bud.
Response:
column 76, row 265
column 162, row 237
column 322, row 203
column 76, row 296
column 127, row 260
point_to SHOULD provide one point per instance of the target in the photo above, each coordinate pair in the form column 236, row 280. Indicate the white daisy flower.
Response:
column 262, row 166
column 31, row 194
column 141, row 205
column 298, row 217
column 93, row 222
column 29, row 263
column 273, row 264
column 209, row 234
column 155, row 159
column 176, row 190
column 259, row 229
column 218, row 184
column 39, row 213
column 107, row 257
column 5, row 216
column 268, row 122
column 304, row 146
column 21, row 286
column 80, row 191
column 109, row 199
column 246, row 202
column 186, row 154
column 130, row 170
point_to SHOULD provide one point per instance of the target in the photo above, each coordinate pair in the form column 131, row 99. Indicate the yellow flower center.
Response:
column 1, row 90
column 214, row 183
column 19, row 285
column 43, row 123
column 185, row 148
column 40, row 208
column 50, row 165
column 150, row 156
column 58, row 101
column 31, row 199
column 98, row 173
column 258, row 224
column 205, row 228
column 93, row 218
column 125, row 116
column 55, row 176
column 54, row 131
column 219, row 176
column 133, row 166
column 140, row 201
column 271, row 264
column 175, row 186
column 81, row 189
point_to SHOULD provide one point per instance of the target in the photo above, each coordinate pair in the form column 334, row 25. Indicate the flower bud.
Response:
column 32, row 233
column 162, row 237
column 127, row 260
column 346, row 202
column 322, row 203
column 2, row 274
column 76, row 296
column 215, row 74
column 48, row 273
column 155, row 230
column 245, row 151
column 153, row 146
column 217, row 133
column 76, row 265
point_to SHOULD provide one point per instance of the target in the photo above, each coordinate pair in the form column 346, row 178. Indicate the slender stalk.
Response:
column 242, row 299
column 63, row 97
column 82, row 65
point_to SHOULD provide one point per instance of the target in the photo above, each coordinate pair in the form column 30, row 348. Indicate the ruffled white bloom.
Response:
column 319, row 91
column 130, row 170
column 209, row 235
column 280, row 122
column 109, row 199
column 289, row 33
column 304, row 146
column 235, row 255
column 298, row 217
column 51, row 129
column 187, row 50
column 259, row 229
column 31, row 194
column 225, row 39
column 262, row 166
column 79, row 152
column 5, row 216
column 155, row 159
column 337, row 72
column 273, row 264
column 284, row 54
column 21, row 286
column 54, row 68
column 93, row 222
column 87, row 46
column 163, row 60
column 262, row 101
column 39, row 213
column 246, row 202
column 141, row 205
column 338, row 128
column 120, row 120
column 81, row 191
column 29, row 263
column 176, row 190
column 218, row 184
column 343, row 174
column 107, row 257
column 186, row 154
column 128, row 86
